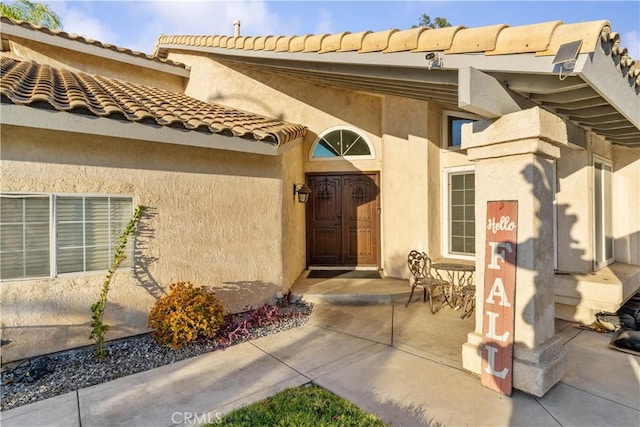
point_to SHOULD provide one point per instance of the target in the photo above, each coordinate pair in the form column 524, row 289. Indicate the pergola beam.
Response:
column 482, row 94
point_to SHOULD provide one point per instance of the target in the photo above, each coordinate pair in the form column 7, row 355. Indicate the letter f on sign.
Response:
column 498, row 250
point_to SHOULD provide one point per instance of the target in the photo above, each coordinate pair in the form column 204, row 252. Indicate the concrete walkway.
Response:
column 398, row 362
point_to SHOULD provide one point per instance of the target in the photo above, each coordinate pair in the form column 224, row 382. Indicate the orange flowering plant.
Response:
column 185, row 314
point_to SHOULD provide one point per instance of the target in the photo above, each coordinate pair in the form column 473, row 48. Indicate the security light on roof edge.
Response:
column 567, row 55
column 434, row 59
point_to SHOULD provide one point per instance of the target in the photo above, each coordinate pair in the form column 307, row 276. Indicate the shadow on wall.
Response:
column 143, row 259
column 25, row 341
column 308, row 93
column 107, row 152
column 245, row 295
column 538, row 311
column 396, row 266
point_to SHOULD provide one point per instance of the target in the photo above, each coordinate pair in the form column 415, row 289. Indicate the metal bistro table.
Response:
column 461, row 293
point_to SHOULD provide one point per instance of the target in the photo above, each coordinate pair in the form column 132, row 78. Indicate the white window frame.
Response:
column 445, row 232
column 22, row 197
column 445, row 126
column 554, row 189
column 357, row 131
column 598, row 264
column 53, row 264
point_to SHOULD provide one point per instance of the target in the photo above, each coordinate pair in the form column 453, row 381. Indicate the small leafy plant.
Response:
column 185, row 314
column 98, row 327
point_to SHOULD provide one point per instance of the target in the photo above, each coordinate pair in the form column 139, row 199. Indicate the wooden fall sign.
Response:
column 499, row 296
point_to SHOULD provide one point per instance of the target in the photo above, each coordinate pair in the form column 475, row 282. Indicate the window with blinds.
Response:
column 87, row 232
column 50, row 234
column 24, row 236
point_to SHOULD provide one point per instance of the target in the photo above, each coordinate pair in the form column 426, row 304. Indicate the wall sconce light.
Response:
column 302, row 191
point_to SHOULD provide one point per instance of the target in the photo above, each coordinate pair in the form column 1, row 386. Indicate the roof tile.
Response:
column 249, row 43
column 314, row 43
column 479, row 39
column 271, row 42
column 404, row 40
column 376, row 42
column 332, row 43
column 524, row 38
column 438, row 39
column 588, row 32
column 297, row 43
column 283, row 43
column 260, row 42
column 85, row 40
column 26, row 83
column 353, row 41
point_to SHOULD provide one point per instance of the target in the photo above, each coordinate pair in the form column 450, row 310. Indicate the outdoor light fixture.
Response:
column 302, row 191
column 566, row 57
column 434, row 60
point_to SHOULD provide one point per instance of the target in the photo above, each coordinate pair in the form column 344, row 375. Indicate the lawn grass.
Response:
column 302, row 406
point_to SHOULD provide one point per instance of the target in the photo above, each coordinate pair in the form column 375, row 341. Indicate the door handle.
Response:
column 339, row 215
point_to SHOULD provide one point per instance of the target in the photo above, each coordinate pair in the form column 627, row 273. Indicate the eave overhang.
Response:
column 595, row 82
column 11, row 29
column 49, row 119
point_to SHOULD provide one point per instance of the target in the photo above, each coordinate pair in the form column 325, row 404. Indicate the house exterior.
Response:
column 402, row 136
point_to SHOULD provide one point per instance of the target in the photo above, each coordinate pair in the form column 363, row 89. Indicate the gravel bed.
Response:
column 78, row 368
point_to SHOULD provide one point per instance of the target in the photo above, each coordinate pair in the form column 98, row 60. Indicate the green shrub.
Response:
column 185, row 314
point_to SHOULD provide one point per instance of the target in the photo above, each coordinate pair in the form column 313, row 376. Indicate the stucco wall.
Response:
column 405, row 134
column 574, row 210
column 293, row 220
column 71, row 60
column 316, row 107
column 214, row 218
column 405, row 181
column 575, row 204
column 626, row 204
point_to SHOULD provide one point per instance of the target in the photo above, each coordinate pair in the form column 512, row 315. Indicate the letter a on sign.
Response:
column 499, row 296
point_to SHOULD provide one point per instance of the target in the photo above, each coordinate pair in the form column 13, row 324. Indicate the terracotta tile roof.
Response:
column 29, row 83
column 543, row 39
column 84, row 40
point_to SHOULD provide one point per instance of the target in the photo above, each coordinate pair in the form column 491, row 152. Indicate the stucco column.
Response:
column 513, row 158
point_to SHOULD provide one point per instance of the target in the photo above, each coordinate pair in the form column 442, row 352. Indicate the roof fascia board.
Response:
column 597, row 72
column 527, row 63
column 88, row 49
column 410, row 67
column 482, row 94
column 25, row 116
column 526, row 83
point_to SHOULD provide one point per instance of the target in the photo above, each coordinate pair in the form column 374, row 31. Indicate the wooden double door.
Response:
column 343, row 219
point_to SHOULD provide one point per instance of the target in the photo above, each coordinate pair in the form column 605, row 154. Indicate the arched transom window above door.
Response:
column 342, row 143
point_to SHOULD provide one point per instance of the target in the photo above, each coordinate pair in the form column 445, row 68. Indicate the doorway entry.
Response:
column 343, row 220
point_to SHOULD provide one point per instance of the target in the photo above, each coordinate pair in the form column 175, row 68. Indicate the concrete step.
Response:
column 578, row 297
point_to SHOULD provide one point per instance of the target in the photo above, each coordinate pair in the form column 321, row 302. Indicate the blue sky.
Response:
column 137, row 24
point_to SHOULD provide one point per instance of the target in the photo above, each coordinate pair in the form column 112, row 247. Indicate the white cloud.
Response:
column 631, row 40
column 76, row 21
column 169, row 17
column 137, row 25
column 324, row 22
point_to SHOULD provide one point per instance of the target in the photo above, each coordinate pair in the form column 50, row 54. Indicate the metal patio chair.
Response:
column 468, row 304
column 420, row 267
